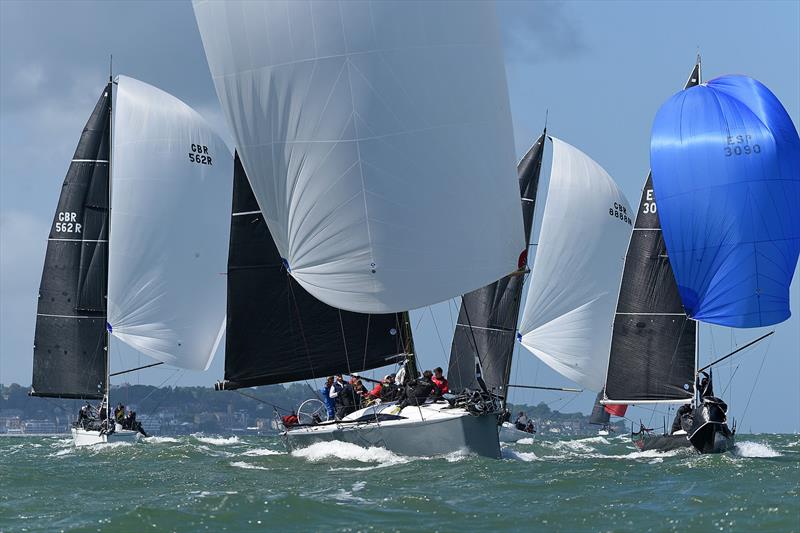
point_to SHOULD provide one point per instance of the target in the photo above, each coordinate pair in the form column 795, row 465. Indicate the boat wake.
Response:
column 346, row 451
column 514, row 455
column 755, row 449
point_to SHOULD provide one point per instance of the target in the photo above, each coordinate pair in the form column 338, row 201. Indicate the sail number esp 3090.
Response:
column 199, row 154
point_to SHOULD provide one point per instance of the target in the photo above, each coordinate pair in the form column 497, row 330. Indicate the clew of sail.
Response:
column 726, row 170
column 170, row 212
column 570, row 304
column 377, row 138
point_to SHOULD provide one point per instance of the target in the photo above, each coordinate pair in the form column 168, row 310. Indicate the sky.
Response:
column 598, row 70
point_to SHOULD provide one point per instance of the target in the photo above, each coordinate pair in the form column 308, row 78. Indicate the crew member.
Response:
column 683, row 410
column 330, row 403
column 440, row 381
column 521, row 422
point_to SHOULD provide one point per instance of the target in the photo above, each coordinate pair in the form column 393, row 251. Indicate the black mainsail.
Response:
column 653, row 344
column 487, row 321
column 276, row 331
column 69, row 354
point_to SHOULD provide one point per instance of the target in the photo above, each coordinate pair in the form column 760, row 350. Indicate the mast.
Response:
column 107, row 391
column 408, row 346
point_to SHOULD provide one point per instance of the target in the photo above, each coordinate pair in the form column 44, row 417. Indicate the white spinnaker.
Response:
column 377, row 139
column 170, row 220
column 569, row 311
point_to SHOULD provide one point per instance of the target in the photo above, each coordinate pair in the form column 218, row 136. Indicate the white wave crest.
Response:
column 159, row 440
column 754, row 449
column 260, row 452
column 346, row 451
column 525, row 441
column 218, row 441
column 247, row 466
column 508, row 453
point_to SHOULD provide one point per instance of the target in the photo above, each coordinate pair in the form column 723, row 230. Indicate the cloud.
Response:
column 535, row 32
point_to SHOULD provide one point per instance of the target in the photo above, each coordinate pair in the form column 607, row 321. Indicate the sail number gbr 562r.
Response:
column 199, row 154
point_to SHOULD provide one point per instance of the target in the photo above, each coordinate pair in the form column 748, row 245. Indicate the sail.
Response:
column 653, row 343
column 570, row 304
column 726, row 170
column 377, row 138
column 69, row 356
column 599, row 416
column 277, row 332
column 487, row 320
column 170, row 209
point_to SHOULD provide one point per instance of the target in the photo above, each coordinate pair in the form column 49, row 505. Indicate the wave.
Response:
column 159, row 440
column 346, row 451
column 754, row 449
column 508, row 453
column 527, row 440
column 260, row 452
column 247, row 466
column 218, row 441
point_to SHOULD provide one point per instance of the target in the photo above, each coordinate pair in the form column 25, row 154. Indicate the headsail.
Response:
column 487, row 320
column 599, row 416
column 653, row 344
column 726, row 169
column 277, row 332
column 576, row 275
column 378, row 141
column 169, row 216
column 69, row 354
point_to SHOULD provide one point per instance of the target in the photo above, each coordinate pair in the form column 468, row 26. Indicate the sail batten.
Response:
column 585, row 228
column 377, row 138
column 69, row 356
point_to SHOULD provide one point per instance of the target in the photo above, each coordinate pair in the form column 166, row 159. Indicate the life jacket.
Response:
column 376, row 391
column 289, row 421
column 441, row 384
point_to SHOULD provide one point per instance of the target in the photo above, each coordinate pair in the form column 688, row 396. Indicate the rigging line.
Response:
column 344, row 342
column 265, row 402
column 437, row 331
column 755, row 382
column 366, row 343
column 736, row 351
column 157, row 389
column 472, row 334
column 300, row 324
column 154, row 409
column 730, row 381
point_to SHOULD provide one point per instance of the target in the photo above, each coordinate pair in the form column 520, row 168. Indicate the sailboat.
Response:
column 728, row 262
column 125, row 256
column 485, row 334
column 576, row 274
column 483, row 342
column 376, row 189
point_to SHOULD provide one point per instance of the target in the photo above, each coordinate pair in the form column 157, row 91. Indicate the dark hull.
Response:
column 708, row 433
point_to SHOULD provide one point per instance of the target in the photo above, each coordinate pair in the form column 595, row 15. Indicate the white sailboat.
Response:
column 576, row 275
column 377, row 176
column 125, row 258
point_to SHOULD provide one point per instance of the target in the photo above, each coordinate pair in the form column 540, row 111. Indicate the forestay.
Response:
column 726, row 171
column 570, row 305
column 377, row 138
column 170, row 209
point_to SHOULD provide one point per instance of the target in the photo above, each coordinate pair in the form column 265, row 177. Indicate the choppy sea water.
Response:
column 219, row 483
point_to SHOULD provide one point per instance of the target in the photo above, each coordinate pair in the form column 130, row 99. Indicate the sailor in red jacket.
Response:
column 440, row 381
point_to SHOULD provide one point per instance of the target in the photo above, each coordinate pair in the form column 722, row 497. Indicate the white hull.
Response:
column 87, row 437
column 510, row 433
column 427, row 430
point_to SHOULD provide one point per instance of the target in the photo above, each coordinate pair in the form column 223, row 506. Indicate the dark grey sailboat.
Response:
column 654, row 344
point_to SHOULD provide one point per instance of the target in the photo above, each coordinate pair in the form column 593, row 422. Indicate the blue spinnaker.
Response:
column 726, row 175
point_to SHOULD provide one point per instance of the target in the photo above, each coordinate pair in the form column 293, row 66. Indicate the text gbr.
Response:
column 199, row 154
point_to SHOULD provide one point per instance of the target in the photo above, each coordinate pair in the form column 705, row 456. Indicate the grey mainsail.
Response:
column 653, row 344
column 69, row 355
column 487, row 320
